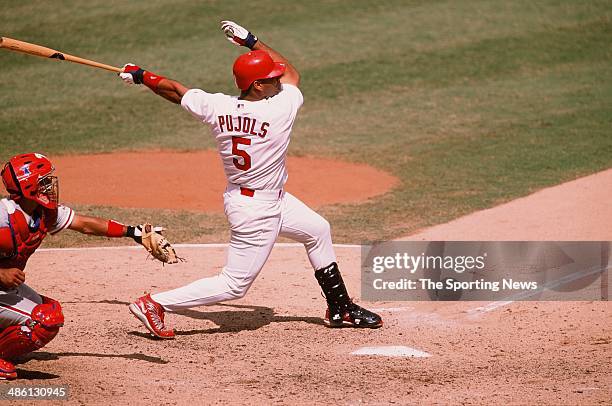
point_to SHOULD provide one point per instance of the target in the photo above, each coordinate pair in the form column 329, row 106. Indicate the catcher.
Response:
column 28, row 321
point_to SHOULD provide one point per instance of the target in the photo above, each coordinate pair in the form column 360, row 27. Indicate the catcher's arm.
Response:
column 148, row 236
column 97, row 226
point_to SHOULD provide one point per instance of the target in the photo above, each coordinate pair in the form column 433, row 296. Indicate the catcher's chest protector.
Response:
column 26, row 239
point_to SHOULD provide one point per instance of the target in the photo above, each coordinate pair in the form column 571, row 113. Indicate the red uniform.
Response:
column 28, row 321
column 18, row 241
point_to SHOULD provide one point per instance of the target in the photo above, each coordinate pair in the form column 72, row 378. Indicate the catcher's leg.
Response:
column 7, row 370
column 303, row 224
column 27, row 322
column 16, row 305
column 38, row 330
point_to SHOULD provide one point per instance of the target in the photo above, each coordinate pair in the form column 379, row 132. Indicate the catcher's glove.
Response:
column 155, row 243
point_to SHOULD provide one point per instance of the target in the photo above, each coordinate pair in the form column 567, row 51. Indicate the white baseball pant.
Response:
column 255, row 222
column 16, row 305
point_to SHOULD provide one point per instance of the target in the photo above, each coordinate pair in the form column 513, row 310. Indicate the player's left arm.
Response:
column 238, row 35
column 106, row 228
column 167, row 88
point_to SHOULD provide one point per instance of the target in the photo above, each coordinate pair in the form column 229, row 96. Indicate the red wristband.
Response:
column 115, row 229
column 151, row 80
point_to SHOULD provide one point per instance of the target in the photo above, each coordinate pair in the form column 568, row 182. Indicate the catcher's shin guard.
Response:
column 341, row 311
column 7, row 370
column 37, row 332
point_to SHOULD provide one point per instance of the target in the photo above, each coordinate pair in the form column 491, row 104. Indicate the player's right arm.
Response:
column 167, row 88
column 291, row 75
column 240, row 36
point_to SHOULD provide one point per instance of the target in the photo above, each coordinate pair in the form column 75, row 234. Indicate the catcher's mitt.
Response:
column 157, row 245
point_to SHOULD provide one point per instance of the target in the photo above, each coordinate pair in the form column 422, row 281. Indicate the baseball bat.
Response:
column 37, row 50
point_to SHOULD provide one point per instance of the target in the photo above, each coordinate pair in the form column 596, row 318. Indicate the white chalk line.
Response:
column 392, row 309
column 211, row 245
column 392, row 351
column 475, row 312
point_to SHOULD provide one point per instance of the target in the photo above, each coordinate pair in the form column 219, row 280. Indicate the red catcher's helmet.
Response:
column 28, row 176
column 256, row 65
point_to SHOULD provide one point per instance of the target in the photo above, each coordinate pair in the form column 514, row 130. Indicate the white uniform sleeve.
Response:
column 65, row 215
column 289, row 100
column 293, row 95
column 202, row 105
column 4, row 221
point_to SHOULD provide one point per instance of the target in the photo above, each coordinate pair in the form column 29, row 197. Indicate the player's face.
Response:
column 270, row 87
column 48, row 189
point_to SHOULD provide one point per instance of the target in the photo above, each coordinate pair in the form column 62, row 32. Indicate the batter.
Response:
column 252, row 132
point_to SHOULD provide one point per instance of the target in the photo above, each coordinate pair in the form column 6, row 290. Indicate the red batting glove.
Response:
column 134, row 74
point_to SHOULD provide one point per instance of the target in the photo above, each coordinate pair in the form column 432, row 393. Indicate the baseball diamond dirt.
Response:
column 320, row 180
column 271, row 347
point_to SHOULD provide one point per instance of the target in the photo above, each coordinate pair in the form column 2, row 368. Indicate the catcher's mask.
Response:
column 256, row 65
column 29, row 176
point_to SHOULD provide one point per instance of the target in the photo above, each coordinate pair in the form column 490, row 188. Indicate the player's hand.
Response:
column 10, row 278
column 132, row 74
column 238, row 35
column 136, row 232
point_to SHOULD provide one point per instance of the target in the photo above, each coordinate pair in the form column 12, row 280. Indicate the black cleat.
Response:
column 352, row 316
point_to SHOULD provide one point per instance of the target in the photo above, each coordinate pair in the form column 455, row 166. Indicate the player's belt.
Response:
column 245, row 191
column 271, row 194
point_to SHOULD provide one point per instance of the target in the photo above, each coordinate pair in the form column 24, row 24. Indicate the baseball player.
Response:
column 28, row 320
column 252, row 133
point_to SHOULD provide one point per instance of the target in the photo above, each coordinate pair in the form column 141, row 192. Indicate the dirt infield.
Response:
column 195, row 180
column 271, row 348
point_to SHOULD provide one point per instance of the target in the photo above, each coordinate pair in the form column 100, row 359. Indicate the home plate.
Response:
column 392, row 351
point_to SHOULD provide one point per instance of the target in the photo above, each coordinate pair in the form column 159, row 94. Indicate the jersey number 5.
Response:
column 245, row 165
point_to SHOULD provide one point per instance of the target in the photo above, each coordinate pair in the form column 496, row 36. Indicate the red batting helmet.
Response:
column 256, row 65
column 29, row 176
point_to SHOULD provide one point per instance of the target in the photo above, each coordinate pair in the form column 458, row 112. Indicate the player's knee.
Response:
column 236, row 287
column 324, row 228
column 321, row 231
column 48, row 314
column 38, row 331
column 238, row 290
column 48, row 318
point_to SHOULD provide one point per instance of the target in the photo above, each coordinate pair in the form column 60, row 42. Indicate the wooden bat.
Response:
column 33, row 49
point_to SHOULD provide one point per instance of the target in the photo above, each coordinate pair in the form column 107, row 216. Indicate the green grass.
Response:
column 469, row 103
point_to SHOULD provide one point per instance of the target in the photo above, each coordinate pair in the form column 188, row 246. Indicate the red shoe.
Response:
column 7, row 370
column 151, row 314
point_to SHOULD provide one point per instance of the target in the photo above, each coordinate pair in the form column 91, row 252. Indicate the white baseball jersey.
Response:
column 65, row 215
column 252, row 137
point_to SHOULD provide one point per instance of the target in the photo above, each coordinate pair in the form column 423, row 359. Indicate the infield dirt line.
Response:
column 475, row 312
column 211, row 245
